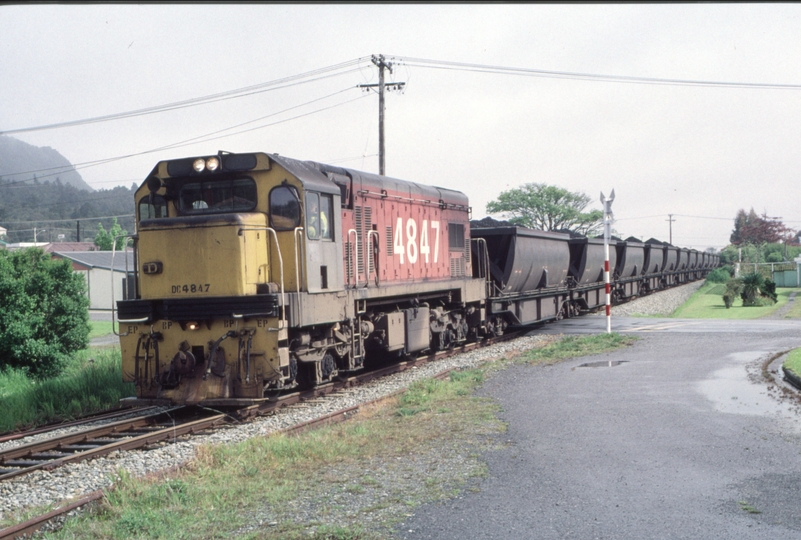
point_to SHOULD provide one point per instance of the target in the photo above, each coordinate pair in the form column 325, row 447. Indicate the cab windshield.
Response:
column 214, row 197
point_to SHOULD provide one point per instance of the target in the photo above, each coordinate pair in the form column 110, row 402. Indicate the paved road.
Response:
column 681, row 439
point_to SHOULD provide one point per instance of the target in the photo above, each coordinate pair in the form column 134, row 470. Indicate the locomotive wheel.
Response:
column 328, row 366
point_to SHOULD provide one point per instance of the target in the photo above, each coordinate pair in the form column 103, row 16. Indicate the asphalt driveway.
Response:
column 677, row 436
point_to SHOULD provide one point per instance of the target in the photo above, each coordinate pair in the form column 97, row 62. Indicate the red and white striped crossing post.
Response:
column 607, row 202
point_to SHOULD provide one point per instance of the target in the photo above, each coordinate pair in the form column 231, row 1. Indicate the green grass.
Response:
column 707, row 303
column 100, row 328
column 795, row 310
column 90, row 383
column 574, row 346
column 793, row 362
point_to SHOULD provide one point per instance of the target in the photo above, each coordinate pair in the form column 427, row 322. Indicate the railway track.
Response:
column 150, row 429
column 98, row 441
column 106, row 415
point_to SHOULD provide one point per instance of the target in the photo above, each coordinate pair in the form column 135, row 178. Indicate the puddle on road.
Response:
column 739, row 389
column 607, row 363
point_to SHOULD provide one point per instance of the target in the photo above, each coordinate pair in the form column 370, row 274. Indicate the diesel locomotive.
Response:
column 255, row 272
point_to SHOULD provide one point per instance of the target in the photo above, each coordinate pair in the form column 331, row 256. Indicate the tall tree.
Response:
column 753, row 229
column 548, row 208
column 106, row 239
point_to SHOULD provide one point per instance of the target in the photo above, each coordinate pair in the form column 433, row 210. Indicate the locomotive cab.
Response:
column 220, row 243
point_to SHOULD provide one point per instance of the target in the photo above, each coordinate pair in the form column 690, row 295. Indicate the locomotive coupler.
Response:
column 213, row 345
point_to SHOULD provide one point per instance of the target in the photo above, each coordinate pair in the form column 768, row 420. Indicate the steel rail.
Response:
column 105, row 415
column 88, row 444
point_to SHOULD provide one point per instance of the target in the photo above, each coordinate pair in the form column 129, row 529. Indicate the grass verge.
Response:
column 100, row 328
column 92, row 382
column 352, row 481
column 794, row 311
column 793, row 362
column 575, row 346
column 707, row 303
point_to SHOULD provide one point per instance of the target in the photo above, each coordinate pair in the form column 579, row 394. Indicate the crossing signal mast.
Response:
column 382, row 64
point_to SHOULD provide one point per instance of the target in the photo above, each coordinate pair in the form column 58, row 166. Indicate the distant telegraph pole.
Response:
column 382, row 64
column 671, row 220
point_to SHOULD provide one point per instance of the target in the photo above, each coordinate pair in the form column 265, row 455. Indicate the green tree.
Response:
column 44, row 312
column 105, row 239
column 548, row 208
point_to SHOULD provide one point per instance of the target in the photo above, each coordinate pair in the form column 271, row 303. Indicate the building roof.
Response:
column 99, row 259
column 70, row 246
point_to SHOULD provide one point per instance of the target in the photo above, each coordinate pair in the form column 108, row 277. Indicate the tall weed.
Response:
column 90, row 383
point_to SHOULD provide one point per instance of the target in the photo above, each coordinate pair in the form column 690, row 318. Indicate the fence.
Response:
column 786, row 274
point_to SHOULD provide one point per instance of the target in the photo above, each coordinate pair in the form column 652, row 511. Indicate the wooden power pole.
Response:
column 381, row 64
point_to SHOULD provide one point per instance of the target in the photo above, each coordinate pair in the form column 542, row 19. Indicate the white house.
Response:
column 96, row 267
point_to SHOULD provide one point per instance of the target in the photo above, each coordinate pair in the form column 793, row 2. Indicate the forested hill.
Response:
column 58, row 208
column 52, row 198
column 23, row 162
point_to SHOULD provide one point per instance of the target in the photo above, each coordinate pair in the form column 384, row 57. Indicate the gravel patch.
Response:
column 661, row 303
column 78, row 479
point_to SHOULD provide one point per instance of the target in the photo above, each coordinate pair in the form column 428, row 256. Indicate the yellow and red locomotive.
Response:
column 257, row 272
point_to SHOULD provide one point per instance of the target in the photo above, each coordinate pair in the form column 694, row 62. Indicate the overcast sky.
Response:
column 699, row 152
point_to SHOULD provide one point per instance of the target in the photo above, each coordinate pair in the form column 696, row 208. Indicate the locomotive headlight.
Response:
column 191, row 326
column 212, row 164
column 199, row 165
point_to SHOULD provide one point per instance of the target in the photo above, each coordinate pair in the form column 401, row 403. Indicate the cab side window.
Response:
column 318, row 216
column 284, row 208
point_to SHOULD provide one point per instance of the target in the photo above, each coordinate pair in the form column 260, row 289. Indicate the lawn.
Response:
column 100, row 328
column 793, row 362
column 707, row 303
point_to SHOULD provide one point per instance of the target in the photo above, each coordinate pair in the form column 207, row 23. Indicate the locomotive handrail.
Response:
column 114, row 320
column 354, row 264
column 280, row 266
column 371, row 257
column 298, row 262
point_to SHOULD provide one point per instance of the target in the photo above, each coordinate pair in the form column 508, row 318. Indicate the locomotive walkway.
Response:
column 681, row 435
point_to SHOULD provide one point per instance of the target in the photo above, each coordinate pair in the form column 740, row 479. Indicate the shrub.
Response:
column 719, row 275
column 44, row 312
column 734, row 287
column 769, row 290
column 752, row 284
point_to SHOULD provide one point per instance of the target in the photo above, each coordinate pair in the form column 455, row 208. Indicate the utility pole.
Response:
column 670, row 220
column 382, row 64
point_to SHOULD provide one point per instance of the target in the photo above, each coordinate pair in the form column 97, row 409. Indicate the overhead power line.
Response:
column 532, row 72
column 284, row 82
column 194, row 140
column 68, row 219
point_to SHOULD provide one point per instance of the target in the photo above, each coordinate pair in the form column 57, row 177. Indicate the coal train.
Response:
column 254, row 272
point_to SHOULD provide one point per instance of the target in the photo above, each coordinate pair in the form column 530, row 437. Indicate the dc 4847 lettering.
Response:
column 194, row 288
